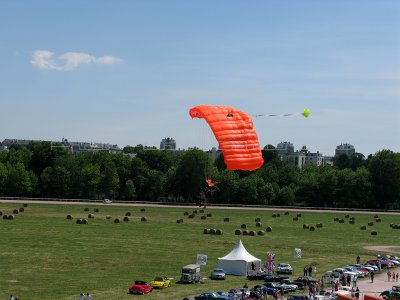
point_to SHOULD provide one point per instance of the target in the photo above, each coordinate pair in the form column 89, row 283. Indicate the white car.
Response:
column 284, row 269
column 107, row 201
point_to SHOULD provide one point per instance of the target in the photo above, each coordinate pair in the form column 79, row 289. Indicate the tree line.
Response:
column 139, row 173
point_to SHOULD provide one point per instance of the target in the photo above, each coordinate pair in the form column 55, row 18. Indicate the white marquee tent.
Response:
column 239, row 261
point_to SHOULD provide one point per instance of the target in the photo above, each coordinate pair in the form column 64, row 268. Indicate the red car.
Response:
column 384, row 264
column 140, row 287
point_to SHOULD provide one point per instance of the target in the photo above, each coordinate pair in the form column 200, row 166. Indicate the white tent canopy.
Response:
column 239, row 261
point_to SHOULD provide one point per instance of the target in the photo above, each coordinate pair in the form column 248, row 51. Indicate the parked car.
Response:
column 264, row 289
column 218, row 274
column 384, row 264
column 297, row 297
column 259, row 275
column 212, row 296
column 107, row 201
column 306, row 280
column 281, row 287
column 360, row 274
column 160, row 282
column 275, row 278
column 300, row 285
column 140, row 287
column 284, row 269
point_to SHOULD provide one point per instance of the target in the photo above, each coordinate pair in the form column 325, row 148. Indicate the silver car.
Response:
column 218, row 274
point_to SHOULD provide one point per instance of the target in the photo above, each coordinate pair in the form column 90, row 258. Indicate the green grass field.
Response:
column 45, row 256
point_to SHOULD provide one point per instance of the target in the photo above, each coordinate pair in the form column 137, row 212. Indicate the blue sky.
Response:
column 127, row 72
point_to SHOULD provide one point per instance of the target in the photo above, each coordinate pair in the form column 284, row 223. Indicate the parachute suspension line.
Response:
column 305, row 113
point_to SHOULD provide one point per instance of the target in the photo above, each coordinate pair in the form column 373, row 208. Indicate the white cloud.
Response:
column 43, row 60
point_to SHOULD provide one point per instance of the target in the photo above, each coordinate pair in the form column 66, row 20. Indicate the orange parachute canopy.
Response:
column 234, row 132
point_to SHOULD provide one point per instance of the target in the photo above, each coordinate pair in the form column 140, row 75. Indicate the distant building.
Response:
column 168, row 144
column 345, row 149
column 300, row 158
column 23, row 143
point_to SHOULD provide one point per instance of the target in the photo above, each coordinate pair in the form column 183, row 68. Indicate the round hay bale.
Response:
column 352, row 218
column 268, row 229
column 15, row 211
column 370, row 223
column 306, row 226
column 126, row 219
column 143, row 219
column 286, row 213
column 78, row 221
column 374, row 232
column 341, row 221
column 318, row 225
column 257, row 219
column 96, row 210
column 378, row 220
column 376, row 216
column 203, row 217
column 195, row 211
column 90, row 216
column 363, row 227
column 84, row 221
column 219, row 232
column 212, row 231
column 278, row 215
column 260, row 232
column 186, row 213
column 191, row 216
column 274, row 215
column 5, row 217
column 238, row 232
column 142, row 209
column 312, row 228
column 1, row 213
column 298, row 215
column 352, row 221
column 295, row 218
column 209, row 215
column 25, row 205
column 391, row 224
column 396, row 226
column 86, row 209
column 21, row 209
column 245, row 232
column 10, row 217
column 179, row 221
column 252, row 233
column 108, row 217
column 336, row 219
column 243, row 226
column 226, row 219
column 258, row 224
column 206, row 231
column 201, row 211
column 128, row 214
column 347, row 216
column 69, row 217
column 117, row 220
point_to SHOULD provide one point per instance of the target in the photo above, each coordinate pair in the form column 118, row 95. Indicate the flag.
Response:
column 297, row 253
column 270, row 262
column 201, row 259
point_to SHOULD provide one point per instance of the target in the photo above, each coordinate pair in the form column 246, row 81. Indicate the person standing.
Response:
column 357, row 293
column 397, row 276
column 389, row 275
column 309, row 271
column 88, row 296
column 305, row 271
column 372, row 277
column 358, row 259
column 81, row 296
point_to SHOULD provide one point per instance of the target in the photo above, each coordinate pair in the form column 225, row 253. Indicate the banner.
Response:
column 201, row 259
column 270, row 262
column 297, row 253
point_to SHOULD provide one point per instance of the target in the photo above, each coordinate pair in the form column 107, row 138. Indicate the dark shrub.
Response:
column 25, row 205
column 86, row 209
column 374, row 233
column 286, row 213
column 128, row 214
column 186, row 213
column 370, row 223
column 378, row 220
column 226, row 219
column 203, row 217
column 209, row 215
column 191, row 216
column 142, row 209
column 295, row 218
column 143, row 219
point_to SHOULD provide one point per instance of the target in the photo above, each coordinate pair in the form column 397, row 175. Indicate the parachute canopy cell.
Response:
column 234, row 132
